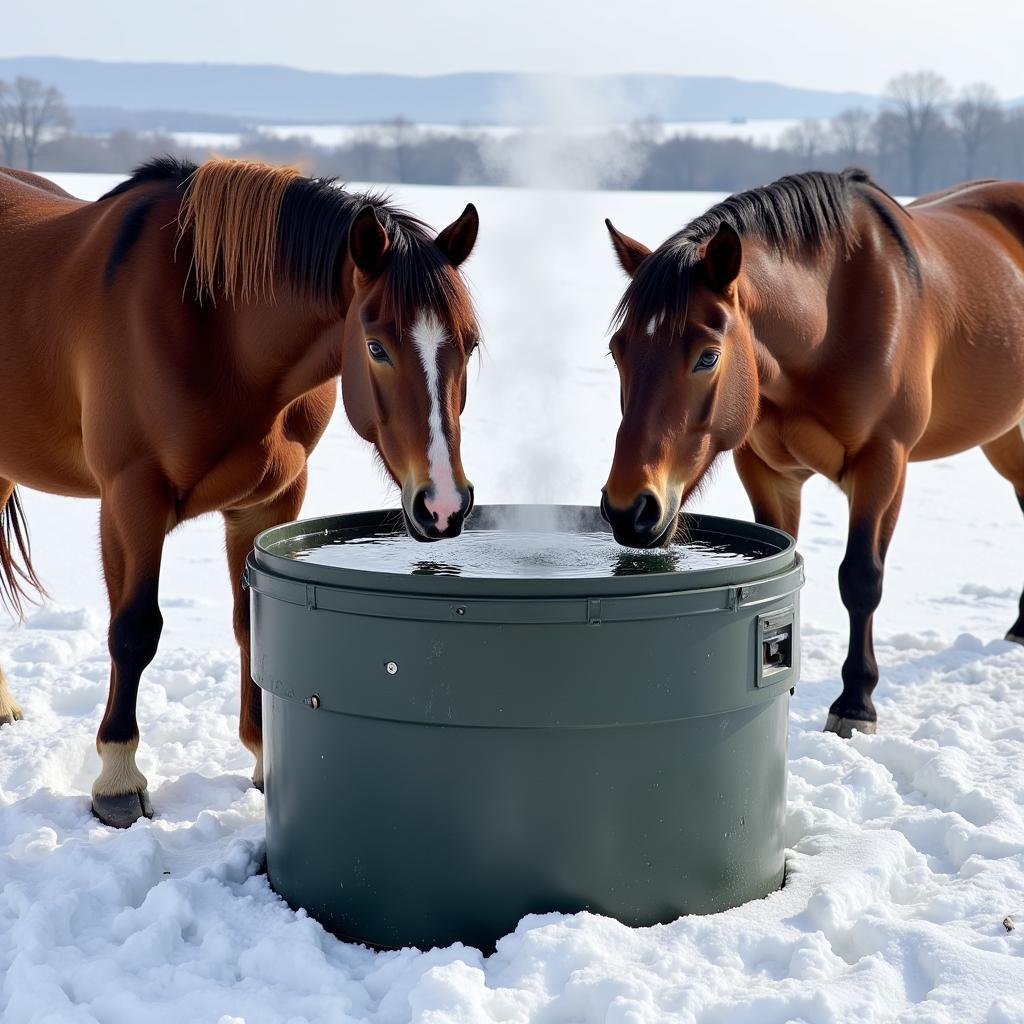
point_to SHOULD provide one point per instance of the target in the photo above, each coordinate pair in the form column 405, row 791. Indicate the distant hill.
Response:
column 271, row 93
column 112, row 119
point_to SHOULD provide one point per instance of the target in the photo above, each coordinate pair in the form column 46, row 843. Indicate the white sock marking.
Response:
column 8, row 705
column 119, row 774
column 428, row 335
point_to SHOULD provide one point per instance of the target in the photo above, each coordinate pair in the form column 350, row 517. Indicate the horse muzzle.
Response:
column 643, row 524
column 429, row 517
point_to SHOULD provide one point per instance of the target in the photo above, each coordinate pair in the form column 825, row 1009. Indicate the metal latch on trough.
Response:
column 775, row 646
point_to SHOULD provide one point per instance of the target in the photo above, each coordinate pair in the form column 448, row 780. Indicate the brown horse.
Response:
column 817, row 326
column 172, row 349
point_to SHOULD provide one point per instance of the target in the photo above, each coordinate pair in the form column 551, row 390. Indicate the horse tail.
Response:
column 18, row 580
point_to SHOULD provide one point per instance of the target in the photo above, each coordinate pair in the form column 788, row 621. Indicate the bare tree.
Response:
column 402, row 135
column 887, row 142
column 851, row 132
column 1012, row 142
column 917, row 99
column 806, row 139
column 39, row 110
column 977, row 117
column 8, row 123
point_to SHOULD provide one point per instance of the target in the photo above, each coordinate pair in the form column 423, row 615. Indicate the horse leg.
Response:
column 10, row 710
column 774, row 496
column 1006, row 453
column 242, row 527
column 874, row 485
column 135, row 515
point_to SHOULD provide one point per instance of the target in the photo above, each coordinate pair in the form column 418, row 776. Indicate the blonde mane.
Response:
column 232, row 208
column 249, row 228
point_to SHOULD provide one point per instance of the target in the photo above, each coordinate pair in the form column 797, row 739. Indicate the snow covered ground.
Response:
column 906, row 849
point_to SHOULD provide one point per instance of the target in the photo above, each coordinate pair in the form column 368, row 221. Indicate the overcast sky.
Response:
column 856, row 44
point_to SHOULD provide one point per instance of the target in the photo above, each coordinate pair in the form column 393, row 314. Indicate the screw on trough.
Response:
column 313, row 700
column 392, row 667
column 1008, row 923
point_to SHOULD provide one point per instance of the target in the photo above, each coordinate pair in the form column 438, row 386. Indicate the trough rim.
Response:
column 268, row 565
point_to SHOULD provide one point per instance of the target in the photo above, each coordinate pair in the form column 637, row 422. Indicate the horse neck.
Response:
column 290, row 346
column 786, row 300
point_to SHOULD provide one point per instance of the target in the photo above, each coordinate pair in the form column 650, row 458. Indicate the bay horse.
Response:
column 816, row 325
column 173, row 349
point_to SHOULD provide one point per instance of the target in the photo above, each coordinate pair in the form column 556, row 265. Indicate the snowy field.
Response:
column 906, row 849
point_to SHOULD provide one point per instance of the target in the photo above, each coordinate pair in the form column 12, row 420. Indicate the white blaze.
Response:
column 654, row 324
column 428, row 335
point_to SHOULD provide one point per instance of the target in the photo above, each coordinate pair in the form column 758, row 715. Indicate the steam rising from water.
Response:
column 536, row 519
column 568, row 142
column 535, row 300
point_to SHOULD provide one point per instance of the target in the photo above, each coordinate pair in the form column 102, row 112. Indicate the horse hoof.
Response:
column 122, row 810
column 846, row 727
column 15, row 715
column 1015, row 638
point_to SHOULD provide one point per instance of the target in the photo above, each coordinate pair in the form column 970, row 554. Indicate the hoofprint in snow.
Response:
column 906, row 849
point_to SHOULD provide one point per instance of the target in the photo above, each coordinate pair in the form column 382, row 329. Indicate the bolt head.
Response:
column 392, row 667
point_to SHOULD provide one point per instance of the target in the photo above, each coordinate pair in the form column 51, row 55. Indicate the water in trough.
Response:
column 514, row 552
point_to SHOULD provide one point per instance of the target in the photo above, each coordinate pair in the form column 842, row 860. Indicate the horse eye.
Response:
column 378, row 352
column 708, row 359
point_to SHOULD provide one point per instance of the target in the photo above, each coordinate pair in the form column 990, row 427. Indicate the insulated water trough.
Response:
column 446, row 753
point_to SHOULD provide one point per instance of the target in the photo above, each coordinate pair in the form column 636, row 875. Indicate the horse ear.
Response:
column 457, row 240
column 630, row 252
column 722, row 257
column 368, row 242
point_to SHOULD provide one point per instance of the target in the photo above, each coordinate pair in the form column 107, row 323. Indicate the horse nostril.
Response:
column 469, row 499
column 420, row 512
column 646, row 514
column 606, row 512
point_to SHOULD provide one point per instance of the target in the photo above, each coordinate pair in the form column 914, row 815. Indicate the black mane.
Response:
column 312, row 242
column 312, row 239
column 812, row 209
column 161, row 168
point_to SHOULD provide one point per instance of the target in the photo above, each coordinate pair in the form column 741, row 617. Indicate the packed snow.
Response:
column 905, row 849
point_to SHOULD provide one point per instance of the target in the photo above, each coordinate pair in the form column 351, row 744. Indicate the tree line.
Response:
column 30, row 113
column 923, row 136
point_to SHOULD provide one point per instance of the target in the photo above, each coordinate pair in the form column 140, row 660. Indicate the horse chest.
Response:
column 249, row 474
column 794, row 441
column 257, row 468
column 285, row 461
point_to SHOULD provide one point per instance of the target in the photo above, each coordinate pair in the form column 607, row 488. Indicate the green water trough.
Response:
column 444, row 755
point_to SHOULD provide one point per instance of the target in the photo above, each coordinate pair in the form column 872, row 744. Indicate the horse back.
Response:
column 75, row 337
column 972, row 240
column 993, row 206
column 35, row 181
